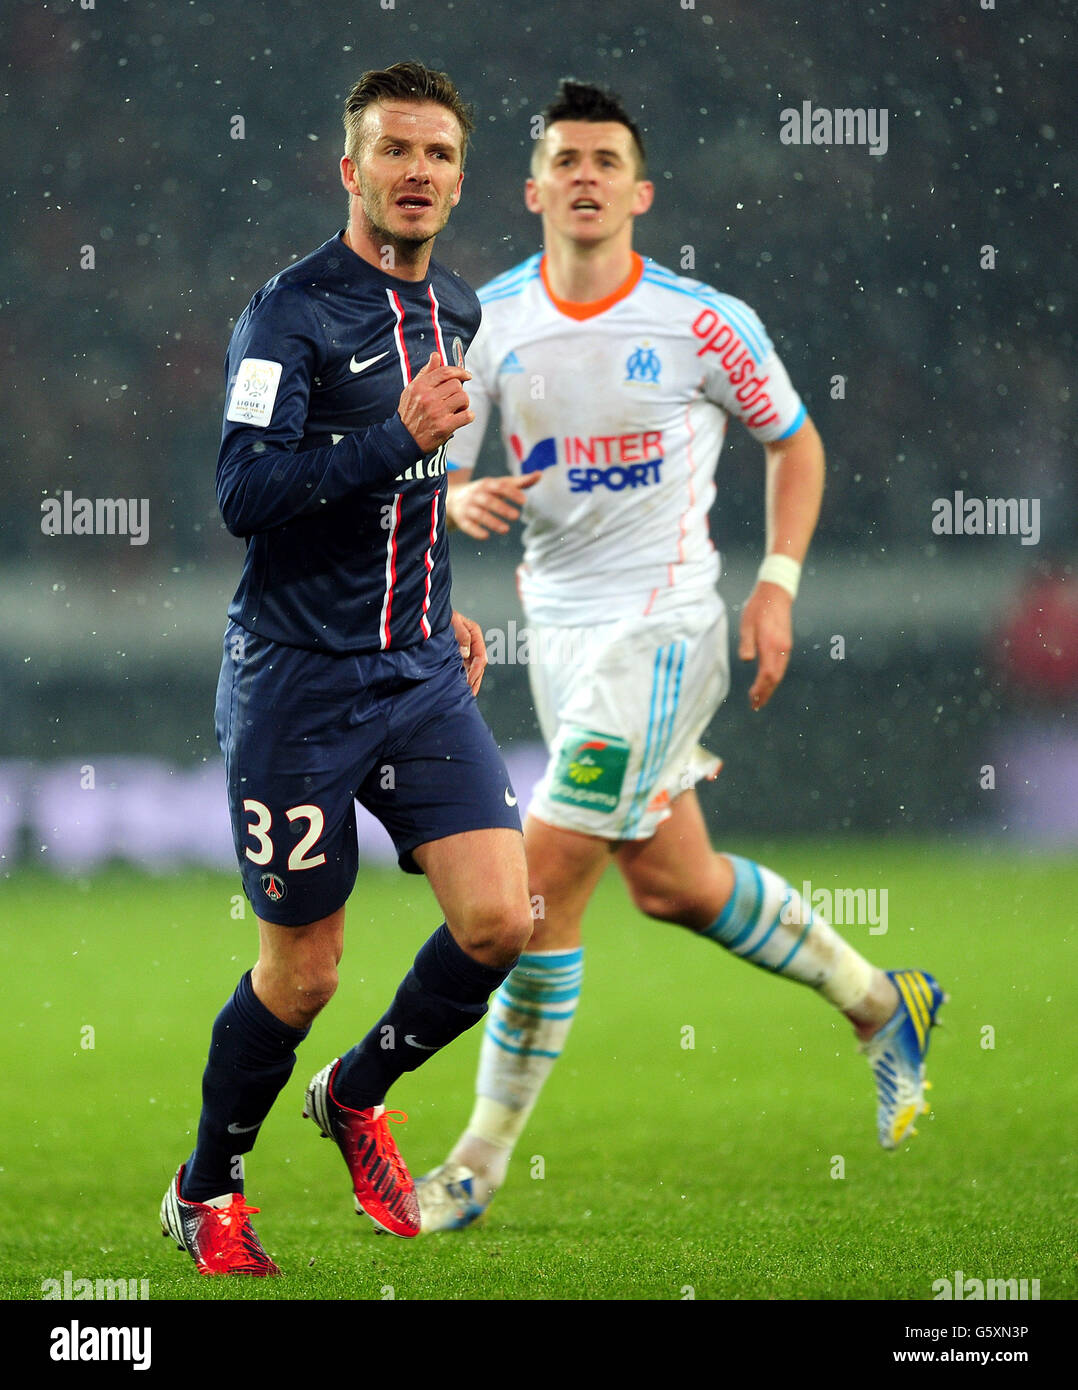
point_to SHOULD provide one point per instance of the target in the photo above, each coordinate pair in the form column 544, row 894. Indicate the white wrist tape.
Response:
column 781, row 570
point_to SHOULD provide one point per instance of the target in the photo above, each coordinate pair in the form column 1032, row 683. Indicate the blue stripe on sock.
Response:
column 555, row 976
column 563, row 975
column 539, row 982
column 520, row 1051
column 778, row 969
column 551, row 960
column 718, row 928
column 737, row 920
column 549, row 996
column 754, row 912
column 535, row 984
column 535, row 1011
column 748, row 955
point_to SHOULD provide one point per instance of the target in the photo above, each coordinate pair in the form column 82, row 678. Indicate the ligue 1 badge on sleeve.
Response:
column 458, row 352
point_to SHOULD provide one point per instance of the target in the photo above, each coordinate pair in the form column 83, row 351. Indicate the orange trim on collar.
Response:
column 574, row 310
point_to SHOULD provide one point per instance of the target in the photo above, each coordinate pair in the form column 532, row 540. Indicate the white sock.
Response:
column 529, row 1021
column 769, row 923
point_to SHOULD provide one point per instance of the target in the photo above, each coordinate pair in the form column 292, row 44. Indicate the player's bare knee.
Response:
column 681, row 905
column 654, row 902
column 496, row 932
column 311, row 992
column 505, row 943
column 653, row 893
column 519, row 930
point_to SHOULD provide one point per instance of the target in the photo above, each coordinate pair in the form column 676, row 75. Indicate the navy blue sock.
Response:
column 443, row 995
column 252, row 1054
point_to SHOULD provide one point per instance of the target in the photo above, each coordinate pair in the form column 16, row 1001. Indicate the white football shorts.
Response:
column 622, row 706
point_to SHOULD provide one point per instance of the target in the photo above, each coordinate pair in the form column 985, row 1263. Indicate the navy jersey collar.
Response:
column 356, row 268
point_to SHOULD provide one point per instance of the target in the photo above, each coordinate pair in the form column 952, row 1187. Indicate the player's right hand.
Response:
column 434, row 405
column 473, row 649
column 488, row 504
column 766, row 638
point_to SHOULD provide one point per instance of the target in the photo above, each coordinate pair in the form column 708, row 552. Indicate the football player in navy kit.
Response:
column 346, row 675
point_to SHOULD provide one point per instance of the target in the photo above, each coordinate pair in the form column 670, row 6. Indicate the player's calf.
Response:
column 443, row 995
column 769, row 923
column 691, row 905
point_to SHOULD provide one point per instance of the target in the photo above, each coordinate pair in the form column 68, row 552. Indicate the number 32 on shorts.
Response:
column 260, row 831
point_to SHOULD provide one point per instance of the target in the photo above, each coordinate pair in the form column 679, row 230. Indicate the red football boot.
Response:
column 217, row 1235
column 382, row 1184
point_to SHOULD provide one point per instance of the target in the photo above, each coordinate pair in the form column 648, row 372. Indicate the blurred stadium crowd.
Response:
column 119, row 124
column 930, row 364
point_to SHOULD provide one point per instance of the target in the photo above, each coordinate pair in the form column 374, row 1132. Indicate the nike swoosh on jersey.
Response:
column 355, row 366
column 510, row 799
column 409, row 1038
column 242, row 1129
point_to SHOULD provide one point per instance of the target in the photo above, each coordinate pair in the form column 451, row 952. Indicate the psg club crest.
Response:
column 273, row 886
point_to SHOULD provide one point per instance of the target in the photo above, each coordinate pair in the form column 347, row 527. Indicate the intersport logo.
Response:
column 624, row 460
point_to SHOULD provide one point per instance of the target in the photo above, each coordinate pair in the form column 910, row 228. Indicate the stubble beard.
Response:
column 408, row 249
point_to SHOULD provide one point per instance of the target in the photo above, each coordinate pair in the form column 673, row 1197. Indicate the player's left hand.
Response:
column 478, row 508
column 473, row 650
column 767, row 638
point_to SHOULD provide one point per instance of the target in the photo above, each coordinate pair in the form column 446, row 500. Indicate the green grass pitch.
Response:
column 744, row 1166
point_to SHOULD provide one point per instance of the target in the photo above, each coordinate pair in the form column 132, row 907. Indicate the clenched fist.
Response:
column 434, row 405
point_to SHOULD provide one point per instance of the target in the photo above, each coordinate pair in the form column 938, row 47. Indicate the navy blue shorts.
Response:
column 305, row 735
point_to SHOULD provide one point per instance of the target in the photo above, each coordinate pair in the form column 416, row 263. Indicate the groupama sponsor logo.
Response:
column 585, row 767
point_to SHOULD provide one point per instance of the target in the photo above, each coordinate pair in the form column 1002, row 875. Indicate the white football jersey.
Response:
column 622, row 405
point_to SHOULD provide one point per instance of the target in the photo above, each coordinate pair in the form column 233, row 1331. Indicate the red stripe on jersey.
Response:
column 391, row 575
column 429, row 563
column 692, row 491
column 437, row 327
column 398, row 335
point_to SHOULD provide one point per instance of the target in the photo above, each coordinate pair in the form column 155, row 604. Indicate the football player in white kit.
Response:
column 615, row 379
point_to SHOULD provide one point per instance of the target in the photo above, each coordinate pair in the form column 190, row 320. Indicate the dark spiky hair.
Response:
column 582, row 101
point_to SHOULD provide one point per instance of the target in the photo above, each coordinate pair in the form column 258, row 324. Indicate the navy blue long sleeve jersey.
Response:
column 344, row 519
